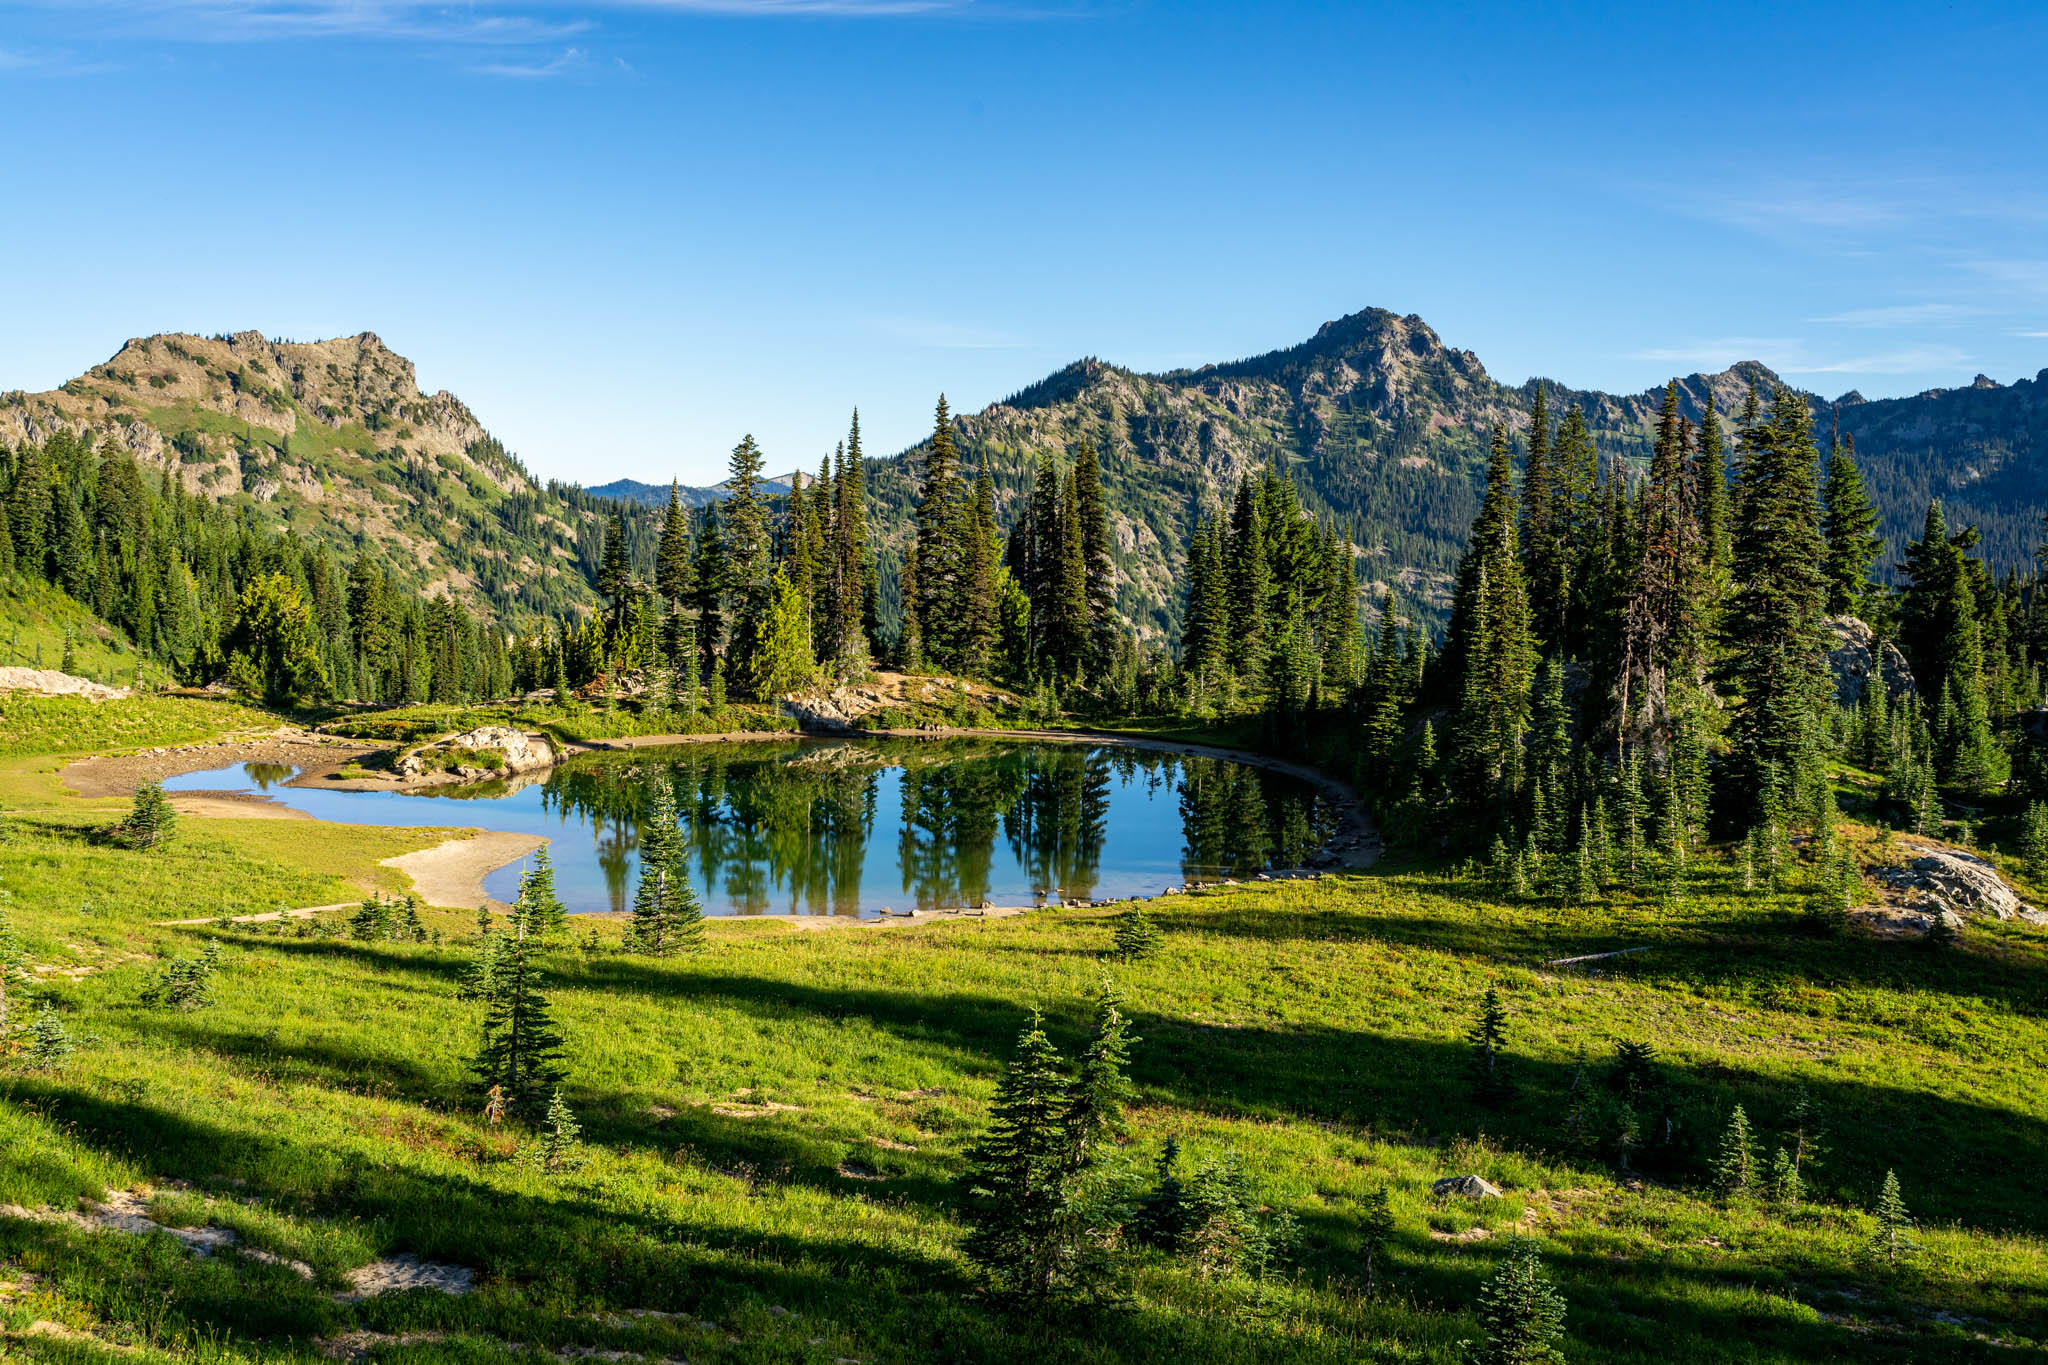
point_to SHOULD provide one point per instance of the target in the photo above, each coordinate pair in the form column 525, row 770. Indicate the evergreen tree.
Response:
column 539, row 908
column 558, row 1148
column 521, row 1051
column 1206, row 640
column 47, row 1041
column 712, row 570
column 1786, row 1187
column 614, row 573
column 1849, row 525
column 1098, row 570
column 979, row 601
column 1017, row 1201
column 1492, row 645
column 2034, row 840
column 151, row 819
column 1521, row 1313
column 1735, row 1163
column 1137, row 935
column 783, row 661
column 1096, row 1099
column 1375, row 1229
column 1251, row 587
column 1488, row 1037
column 1891, row 1243
column 743, row 522
column 1777, row 657
column 666, row 917
column 673, row 578
column 939, row 546
column 1161, row 1218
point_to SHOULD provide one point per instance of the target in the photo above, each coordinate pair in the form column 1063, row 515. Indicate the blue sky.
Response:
column 626, row 233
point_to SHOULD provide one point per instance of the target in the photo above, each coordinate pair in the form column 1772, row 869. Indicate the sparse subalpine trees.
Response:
column 520, row 1052
column 1137, row 934
column 151, row 820
column 1891, row 1242
column 666, row 917
column 1521, row 1313
column 1488, row 1037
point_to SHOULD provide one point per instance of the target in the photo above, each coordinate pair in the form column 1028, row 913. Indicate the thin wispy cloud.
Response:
column 506, row 22
column 1902, row 315
column 1792, row 356
column 17, row 62
column 2031, row 275
column 569, row 62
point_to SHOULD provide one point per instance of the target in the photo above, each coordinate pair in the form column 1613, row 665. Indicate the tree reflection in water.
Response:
column 788, row 828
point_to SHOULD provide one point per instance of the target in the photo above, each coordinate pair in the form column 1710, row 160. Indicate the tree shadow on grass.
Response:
column 1938, row 1143
column 555, row 1266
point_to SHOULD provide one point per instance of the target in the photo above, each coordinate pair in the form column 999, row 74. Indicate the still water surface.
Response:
column 856, row 827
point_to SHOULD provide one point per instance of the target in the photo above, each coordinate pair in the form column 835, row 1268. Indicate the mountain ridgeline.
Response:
column 1383, row 428
column 1385, row 432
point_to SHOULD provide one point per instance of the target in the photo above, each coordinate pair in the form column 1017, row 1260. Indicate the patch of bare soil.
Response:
column 452, row 873
column 127, row 1211
column 397, row 1273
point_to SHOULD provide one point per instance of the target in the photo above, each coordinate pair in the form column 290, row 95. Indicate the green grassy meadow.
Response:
column 773, row 1128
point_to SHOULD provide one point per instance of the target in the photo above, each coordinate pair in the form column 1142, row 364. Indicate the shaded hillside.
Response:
column 334, row 440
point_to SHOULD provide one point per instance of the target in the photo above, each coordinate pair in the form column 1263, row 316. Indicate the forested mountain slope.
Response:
column 1383, row 426
column 1385, row 429
column 334, row 440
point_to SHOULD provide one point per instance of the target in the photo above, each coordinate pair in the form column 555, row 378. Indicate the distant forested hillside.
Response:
column 1384, row 429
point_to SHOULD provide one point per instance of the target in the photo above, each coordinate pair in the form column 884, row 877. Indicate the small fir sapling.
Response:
column 1137, row 934
column 1891, row 1243
column 1375, row 1234
column 1521, row 1313
column 1488, row 1037
column 1735, row 1160
column 151, row 820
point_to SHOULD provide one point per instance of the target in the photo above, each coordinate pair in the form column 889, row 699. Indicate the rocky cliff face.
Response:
column 334, row 439
column 1385, row 428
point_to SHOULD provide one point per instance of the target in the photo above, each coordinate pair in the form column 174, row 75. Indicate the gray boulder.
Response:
column 1856, row 653
column 1964, row 882
column 1465, row 1186
column 488, row 750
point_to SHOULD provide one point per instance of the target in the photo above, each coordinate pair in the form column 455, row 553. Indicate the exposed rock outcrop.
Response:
column 1946, row 885
column 487, row 751
column 51, row 683
column 1465, row 1186
column 1856, row 654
